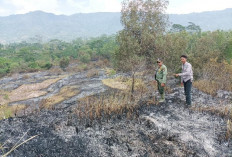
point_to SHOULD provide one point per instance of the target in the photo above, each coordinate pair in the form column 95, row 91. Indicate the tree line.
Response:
column 29, row 57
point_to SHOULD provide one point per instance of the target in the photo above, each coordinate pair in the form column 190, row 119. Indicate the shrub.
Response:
column 33, row 65
column 47, row 65
column 92, row 73
column 85, row 57
column 64, row 62
column 215, row 75
column 110, row 71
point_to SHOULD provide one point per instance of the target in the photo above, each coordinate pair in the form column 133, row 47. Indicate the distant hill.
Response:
column 39, row 25
column 208, row 21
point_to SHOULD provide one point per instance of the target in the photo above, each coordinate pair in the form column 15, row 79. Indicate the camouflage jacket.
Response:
column 161, row 74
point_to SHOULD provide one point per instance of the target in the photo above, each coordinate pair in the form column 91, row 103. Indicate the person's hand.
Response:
column 182, row 84
column 162, row 84
column 176, row 75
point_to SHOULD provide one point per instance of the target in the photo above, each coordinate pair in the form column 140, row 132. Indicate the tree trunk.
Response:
column 132, row 86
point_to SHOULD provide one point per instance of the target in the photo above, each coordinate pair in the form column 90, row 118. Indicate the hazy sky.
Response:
column 68, row 7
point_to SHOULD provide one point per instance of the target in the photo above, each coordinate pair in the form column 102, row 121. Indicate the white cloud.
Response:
column 67, row 7
column 87, row 6
column 189, row 6
column 24, row 6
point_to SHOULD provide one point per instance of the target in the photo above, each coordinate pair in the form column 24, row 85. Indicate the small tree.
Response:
column 177, row 28
column 193, row 28
column 144, row 21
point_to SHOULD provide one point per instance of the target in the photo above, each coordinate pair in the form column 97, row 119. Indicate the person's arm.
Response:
column 164, row 75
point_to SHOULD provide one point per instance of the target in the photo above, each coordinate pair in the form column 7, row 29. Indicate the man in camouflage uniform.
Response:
column 161, row 77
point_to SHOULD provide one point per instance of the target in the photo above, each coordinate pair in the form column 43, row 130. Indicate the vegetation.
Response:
column 113, row 104
column 208, row 53
column 143, row 22
column 132, row 50
column 30, row 57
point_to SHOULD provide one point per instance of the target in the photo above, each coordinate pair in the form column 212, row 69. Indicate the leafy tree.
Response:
column 193, row 28
column 177, row 28
column 4, row 66
column 143, row 22
column 26, row 54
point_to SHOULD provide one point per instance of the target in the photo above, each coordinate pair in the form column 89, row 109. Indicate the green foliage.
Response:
column 85, row 57
column 177, row 28
column 46, row 65
column 191, row 28
column 22, row 57
column 26, row 54
column 128, row 50
column 228, row 50
column 137, row 39
column 33, row 65
column 4, row 66
column 200, row 47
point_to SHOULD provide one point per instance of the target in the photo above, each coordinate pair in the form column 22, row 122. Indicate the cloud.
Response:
column 86, row 6
column 67, row 7
column 189, row 6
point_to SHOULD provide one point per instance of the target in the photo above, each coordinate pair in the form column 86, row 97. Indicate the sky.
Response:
column 69, row 7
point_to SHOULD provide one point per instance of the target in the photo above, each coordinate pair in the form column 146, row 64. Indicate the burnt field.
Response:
column 149, row 129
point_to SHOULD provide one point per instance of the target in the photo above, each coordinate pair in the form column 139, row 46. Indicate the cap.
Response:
column 159, row 60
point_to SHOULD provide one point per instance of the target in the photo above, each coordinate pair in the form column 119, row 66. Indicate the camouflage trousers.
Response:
column 160, row 88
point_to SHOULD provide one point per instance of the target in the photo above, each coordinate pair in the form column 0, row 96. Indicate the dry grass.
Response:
column 223, row 111
column 24, row 92
column 65, row 93
column 207, row 86
column 16, row 145
column 110, row 71
column 229, row 130
column 107, row 106
column 215, row 76
column 28, row 91
column 115, row 84
column 92, row 73
column 10, row 111
column 114, row 103
column 78, row 68
column 56, row 71
column 26, row 76
column 123, row 83
column 101, row 63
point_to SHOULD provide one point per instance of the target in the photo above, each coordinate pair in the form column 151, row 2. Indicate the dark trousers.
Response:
column 187, row 91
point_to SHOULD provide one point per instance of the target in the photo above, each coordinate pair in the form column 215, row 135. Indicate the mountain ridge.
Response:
column 39, row 25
